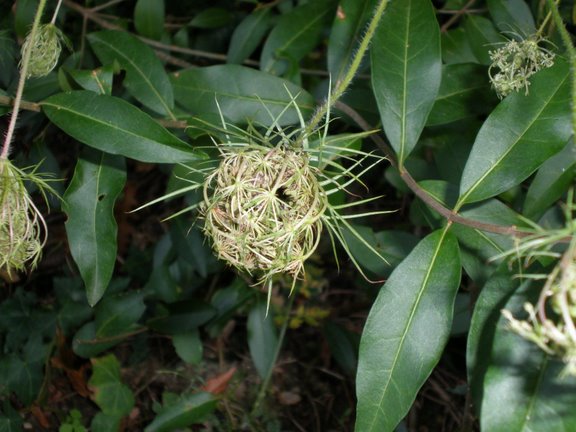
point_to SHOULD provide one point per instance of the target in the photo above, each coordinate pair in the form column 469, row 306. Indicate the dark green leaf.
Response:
column 149, row 18
column 188, row 346
column 109, row 393
column 243, row 94
column 248, row 35
column 116, row 314
column 211, row 18
column 105, row 423
column 295, row 35
column 98, row 80
column 519, row 135
column 91, row 228
column 525, row 380
column 483, row 37
column 182, row 317
column 114, row 126
column 405, row 332
column 512, row 16
column 24, row 378
column 551, row 182
column 343, row 346
column 262, row 338
column 492, row 299
column 86, row 345
column 456, row 47
column 347, row 30
column 406, row 71
column 188, row 410
column 146, row 79
column 464, row 92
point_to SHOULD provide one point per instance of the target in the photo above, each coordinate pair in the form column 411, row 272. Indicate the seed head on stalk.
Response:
column 45, row 46
column 265, row 203
column 22, row 227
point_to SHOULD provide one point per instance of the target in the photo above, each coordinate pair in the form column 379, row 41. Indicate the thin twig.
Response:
column 448, row 214
column 457, row 16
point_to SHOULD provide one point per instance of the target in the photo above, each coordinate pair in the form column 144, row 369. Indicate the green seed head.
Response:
column 262, row 210
column 45, row 50
column 21, row 237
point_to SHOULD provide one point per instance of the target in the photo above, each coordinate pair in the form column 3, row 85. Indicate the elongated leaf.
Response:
column 183, row 316
column 519, row 135
column 483, row 37
column 464, row 92
column 146, row 79
column 149, row 18
column 262, row 338
column 243, row 94
column 188, row 410
column 551, row 181
column 347, row 30
column 295, row 35
column 493, row 297
column 525, row 380
column 114, row 126
column 116, row 314
column 406, row 71
column 405, row 333
column 248, row 35
column 91, row 228
column 512, row 16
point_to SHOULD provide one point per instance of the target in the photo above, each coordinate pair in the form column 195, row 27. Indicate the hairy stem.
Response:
column 567, row 40
column 342, row 85
column 21, row 82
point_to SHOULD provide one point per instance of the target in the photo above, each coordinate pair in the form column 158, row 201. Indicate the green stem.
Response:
column 264, row 387
column 567, row 40
column 21, row 82
column 343, row 84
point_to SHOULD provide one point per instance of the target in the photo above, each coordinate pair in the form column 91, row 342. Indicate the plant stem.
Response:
column 21, row 82
column 342, row 85
column 264, row 387
column 53, row 20
column 571, row 55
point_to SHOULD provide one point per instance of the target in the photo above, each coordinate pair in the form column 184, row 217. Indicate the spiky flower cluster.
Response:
column 45, row 50
column 516, row 62
column 551, row 322
column 22, row 227
column 262, row 210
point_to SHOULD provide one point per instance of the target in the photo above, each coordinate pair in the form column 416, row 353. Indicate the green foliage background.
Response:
column 468, row 172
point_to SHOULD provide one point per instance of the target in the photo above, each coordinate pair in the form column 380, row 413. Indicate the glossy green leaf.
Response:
column 343, row 346
column 104, row 423
column 483, row 37
column 211, row 18
column 243, row 94
column 86, row 345
column 493, row 297
column 405, row 332
column 24, row 15
column 97, row 80
column 512, row 16
column 146, row 79
column 248, row 35
column 90, row 226
column 110, row 394
column 262, row 338
column 393, row 246
column 526, row 381
column 464, row 92
column 519, row 135
column 181, row 317
column 406, row 71
column 551, row 182
column 456, row 47
column 188, row 410
column 116, row 314
column 188, row 346
column 114, row 126
column 295, row 35
column 22, row 377
column 149, row 18
column 347, row 30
